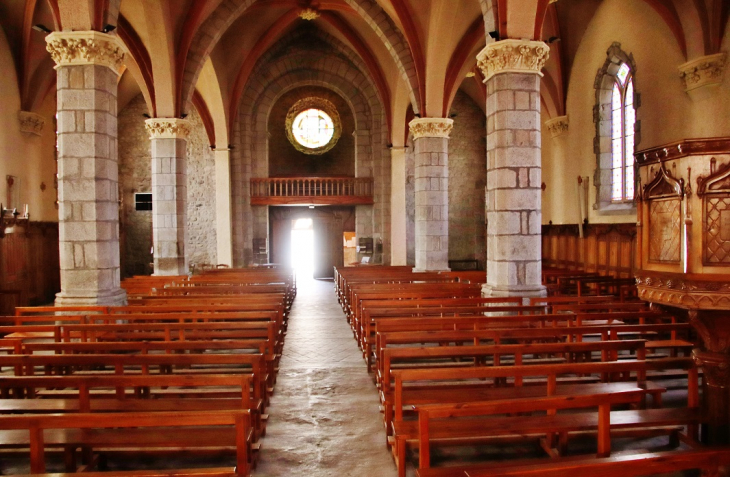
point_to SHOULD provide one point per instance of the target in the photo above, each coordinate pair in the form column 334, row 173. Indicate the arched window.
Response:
column 617, row 133
column 623, row 118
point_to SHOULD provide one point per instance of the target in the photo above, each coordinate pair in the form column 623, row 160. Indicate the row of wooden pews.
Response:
column 468, row 374
column 187, row 368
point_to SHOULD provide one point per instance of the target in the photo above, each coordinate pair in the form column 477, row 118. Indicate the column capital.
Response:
column 703, row 71
column 69, row 48
column 431, row 127
column 31, row 122
column 167, row 128
column 513, row 56
column 557, row 126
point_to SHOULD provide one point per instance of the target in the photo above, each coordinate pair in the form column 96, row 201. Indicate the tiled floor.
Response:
column 324, row 418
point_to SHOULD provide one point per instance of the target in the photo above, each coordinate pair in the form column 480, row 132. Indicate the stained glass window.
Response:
column 313, row 128
column 623, row 120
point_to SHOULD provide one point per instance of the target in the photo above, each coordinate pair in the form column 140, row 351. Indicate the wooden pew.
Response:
column 406, row 432
column 626, row 465
column 483, row 420
column 486, row 355
column 428, row 393
column 412, row 335
column 120, row 364
column 210, row 472
column 132, row 430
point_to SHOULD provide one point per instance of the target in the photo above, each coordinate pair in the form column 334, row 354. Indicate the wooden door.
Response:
column 281, row 241
column 328, row 247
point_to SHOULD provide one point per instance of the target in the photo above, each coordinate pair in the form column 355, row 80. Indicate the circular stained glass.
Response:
column 313, row 125
column 313, row 128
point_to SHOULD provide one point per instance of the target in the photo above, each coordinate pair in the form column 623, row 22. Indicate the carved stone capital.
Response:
column 167, row 128
column 513, row 56
column 69, row 48
column 704, row 71
column 31, row 122
column 431, row 127
column 558, row 126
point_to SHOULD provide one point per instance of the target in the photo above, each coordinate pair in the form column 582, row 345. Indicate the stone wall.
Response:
column 285, row 160
column 467, row 178
column 202, row 239
column 135, row 176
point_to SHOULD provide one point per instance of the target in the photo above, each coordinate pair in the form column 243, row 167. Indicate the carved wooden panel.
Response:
column 665, row 230
column 606, row 249
column 717, row 230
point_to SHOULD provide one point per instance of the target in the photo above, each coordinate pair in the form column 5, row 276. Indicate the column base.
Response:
column 421, row 270
column 525, row 291
column 117, row 297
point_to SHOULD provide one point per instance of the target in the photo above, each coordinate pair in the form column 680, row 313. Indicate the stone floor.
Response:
column 324, row 418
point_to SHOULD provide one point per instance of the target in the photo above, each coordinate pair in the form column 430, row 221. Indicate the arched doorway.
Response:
column 328, row 226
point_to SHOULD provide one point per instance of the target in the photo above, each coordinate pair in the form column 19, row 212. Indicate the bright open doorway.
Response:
column 302, row 247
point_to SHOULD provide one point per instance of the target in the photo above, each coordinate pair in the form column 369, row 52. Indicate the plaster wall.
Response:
column 667, row 113
column 28, row 157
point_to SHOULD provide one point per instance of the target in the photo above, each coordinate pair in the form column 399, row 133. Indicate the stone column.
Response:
column 514, row 257
column 87, row 66
column 169, row 138
column 431, row 145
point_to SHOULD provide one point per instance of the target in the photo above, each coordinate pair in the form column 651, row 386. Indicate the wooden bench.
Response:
column 631, row 465
column 460, row 385
column 211, row 472
column 411, row 334
column 476, row 421
column 118, row 364
column 433, row 391
column 407, row 431
column 461, row 356
column 133, row 431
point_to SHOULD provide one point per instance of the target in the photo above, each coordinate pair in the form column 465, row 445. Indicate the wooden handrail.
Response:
column 313, row 189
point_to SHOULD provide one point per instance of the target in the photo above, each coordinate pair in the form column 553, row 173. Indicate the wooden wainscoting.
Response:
column 607, row 249
column 29, row 264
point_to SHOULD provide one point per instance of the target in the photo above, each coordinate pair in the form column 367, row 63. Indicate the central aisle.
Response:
column 324, row 415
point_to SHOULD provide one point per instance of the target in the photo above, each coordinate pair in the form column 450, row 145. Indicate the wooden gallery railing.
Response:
column 312, row 191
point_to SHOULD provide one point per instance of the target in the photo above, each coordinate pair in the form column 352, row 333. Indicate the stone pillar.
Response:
column 431, row 145
column 87, row 65
column 514, row 257
column 398, row 206
column 169, row 138
column 224, row 227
